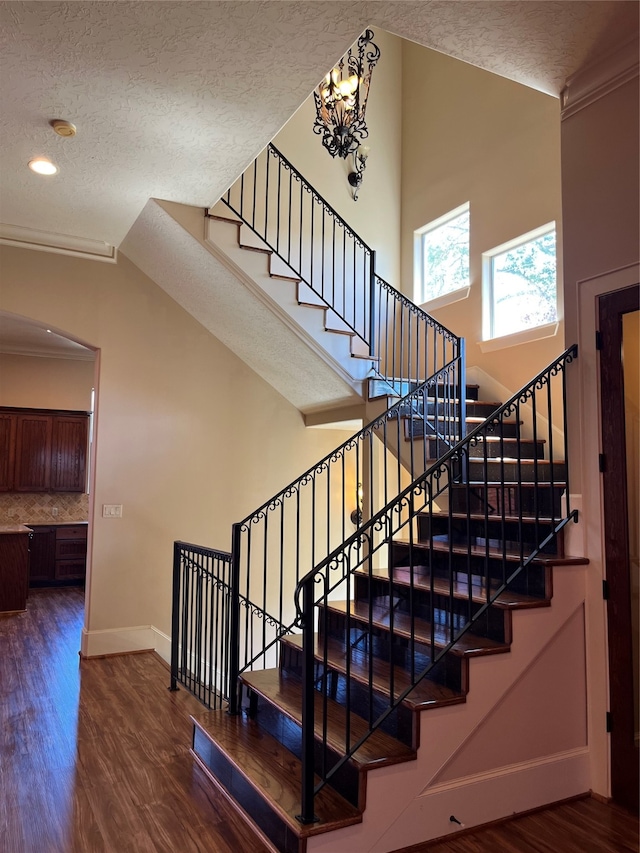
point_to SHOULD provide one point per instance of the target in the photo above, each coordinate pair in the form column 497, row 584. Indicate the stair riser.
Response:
column 233, row 782
column 446, row 408
column 495, row 623
column 395, row 649
column 400, row 724
column 417, row 428
column 347, row 781
column 462, row 530
column 471, row 391
column 531, row 581
column 509, row 500
column 384, row 388
column 493, row 449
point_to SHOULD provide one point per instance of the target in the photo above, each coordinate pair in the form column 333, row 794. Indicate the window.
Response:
column 441, row 257
column 519, row 284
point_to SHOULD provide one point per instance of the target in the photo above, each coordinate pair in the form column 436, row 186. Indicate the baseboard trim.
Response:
column 123, row 641
column 471, row 830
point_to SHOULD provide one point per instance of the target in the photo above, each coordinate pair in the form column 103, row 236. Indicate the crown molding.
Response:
column 599, row 78
column 59, row 244
column 71, row 355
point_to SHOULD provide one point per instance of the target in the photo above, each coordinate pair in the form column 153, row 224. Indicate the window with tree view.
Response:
column 520, row 285
column 442, row 255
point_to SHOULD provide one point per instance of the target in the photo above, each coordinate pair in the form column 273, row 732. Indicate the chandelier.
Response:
column 341, row 102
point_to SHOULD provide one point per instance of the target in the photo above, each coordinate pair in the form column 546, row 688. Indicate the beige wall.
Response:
column 375, row 216
column 187, row 439
column 468, row 135
column 600, row 197
column 45, row 383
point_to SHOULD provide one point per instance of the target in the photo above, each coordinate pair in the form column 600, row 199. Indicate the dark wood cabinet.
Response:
column 14, row 564
column 8, row 423
column 58, row 554
column 71, row 552
column 69, row 454
column 43, row 450
column 33, row 453
column 42, row 554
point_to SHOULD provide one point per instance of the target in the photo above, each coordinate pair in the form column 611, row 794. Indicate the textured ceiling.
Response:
column 173, row 99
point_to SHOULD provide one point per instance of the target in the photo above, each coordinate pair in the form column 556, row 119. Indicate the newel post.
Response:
column 234, row 628
column 308, row 704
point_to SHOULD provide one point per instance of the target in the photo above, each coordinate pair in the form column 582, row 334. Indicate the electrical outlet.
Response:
column 54, row 512
column 112, row 510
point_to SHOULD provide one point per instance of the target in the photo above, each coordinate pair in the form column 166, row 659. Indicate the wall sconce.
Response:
column 359, row 165
column 356, row 515
column 341, row 102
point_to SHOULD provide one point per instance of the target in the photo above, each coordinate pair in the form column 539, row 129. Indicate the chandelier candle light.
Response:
column 341, row 102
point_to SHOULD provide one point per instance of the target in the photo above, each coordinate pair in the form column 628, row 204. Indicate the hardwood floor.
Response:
column 94, row 758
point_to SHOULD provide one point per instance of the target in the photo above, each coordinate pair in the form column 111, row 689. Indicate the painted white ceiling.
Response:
column 173, row 99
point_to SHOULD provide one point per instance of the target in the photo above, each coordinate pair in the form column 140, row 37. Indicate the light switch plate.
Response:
column 112, row 510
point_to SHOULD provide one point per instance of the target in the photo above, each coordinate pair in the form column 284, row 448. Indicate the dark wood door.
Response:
column 624, row 750
column 33, row 453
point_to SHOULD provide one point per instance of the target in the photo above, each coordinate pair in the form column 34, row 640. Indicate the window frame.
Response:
column 528, row 333
column 418, row 261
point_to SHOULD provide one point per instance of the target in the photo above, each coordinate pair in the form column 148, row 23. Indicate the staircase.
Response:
column 337, row 620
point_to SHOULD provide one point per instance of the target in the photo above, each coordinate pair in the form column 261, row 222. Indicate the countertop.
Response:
column 52, row 523
column 14, row 528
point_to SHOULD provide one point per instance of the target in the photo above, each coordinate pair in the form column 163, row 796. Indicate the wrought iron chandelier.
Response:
column 341, row 102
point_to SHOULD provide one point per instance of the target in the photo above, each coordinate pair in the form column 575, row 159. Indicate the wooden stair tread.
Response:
column 285, row 692
column 491, row 517
column 275, row 773
column 441, row 586
column 510, row 484
column 469, row 644
column 482, row 551
column 424, row 695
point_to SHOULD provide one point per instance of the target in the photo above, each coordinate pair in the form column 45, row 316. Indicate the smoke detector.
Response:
column 63, row 128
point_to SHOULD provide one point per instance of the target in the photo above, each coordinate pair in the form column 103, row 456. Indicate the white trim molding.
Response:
column 59, row 244
column 599, row 78
column 537, row 333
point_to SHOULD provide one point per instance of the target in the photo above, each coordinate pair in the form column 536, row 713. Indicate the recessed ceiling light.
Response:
column 50, row 332
column 42, row 166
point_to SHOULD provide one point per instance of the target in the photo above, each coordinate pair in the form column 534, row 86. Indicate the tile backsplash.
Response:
column 43, row 507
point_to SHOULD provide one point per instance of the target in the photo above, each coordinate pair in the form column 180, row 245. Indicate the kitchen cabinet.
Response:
column 58, row 554
column 14, row 567
column 43, row 450
column 7, row 449
column 33, row 453
column 71, row 552
column 42, row 554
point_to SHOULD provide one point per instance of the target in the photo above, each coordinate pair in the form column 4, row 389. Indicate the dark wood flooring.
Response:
column 94, row 758
column 94, row 755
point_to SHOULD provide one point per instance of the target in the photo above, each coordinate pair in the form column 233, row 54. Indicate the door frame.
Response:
column 612, row 307
column 587, row 538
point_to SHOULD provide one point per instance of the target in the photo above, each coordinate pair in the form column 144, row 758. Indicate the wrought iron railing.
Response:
column 482, row 520
column 285, row 211
column 201, row 622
